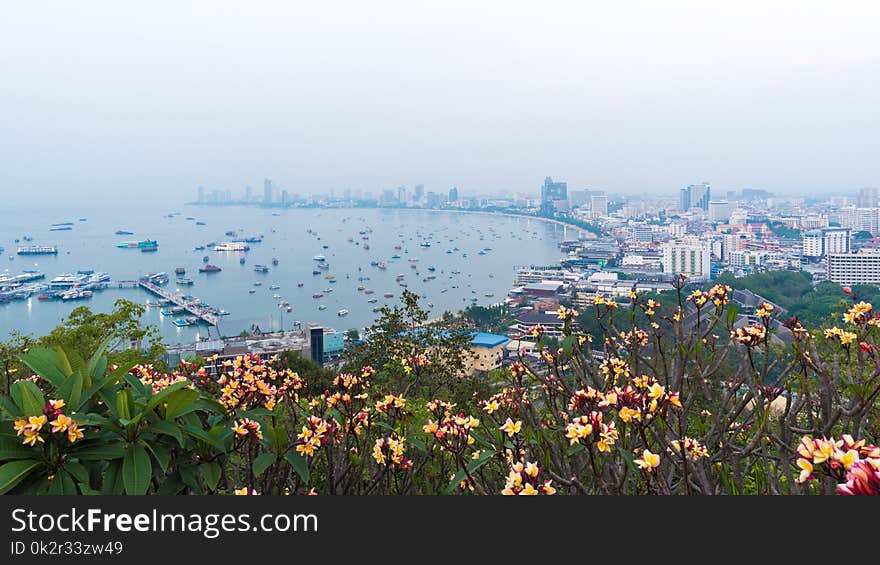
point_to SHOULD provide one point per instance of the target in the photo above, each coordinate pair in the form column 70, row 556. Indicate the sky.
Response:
column 108, row 99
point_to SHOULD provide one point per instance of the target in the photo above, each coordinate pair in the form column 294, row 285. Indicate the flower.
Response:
column 511, row 428
column 61, row 423
column 74, row 433
column 863, row 478
column 649, row 461
column 844, row 337
column 247, row 426
column 244, row 491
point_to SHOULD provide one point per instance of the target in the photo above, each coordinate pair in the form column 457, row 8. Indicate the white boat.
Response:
column 342, row 312
column 232, row 246
column 319, row 258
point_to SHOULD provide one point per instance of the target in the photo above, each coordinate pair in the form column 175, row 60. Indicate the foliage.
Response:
column 645, row 409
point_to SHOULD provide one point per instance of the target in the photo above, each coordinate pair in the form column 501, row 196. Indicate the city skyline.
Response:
column 484, row 97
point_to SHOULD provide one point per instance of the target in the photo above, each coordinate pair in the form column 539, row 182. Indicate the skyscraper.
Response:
column 419, row 192
column 267, row 191
column 551, row 194
column 453, row 194
column 248, row 193
column 201, row 192
column 599, row 204
column 694, row 196
column 868, row 197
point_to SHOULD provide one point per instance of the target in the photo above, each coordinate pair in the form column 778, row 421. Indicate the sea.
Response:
column 449, row 259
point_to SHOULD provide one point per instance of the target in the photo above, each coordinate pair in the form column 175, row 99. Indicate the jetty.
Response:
column 207, row 315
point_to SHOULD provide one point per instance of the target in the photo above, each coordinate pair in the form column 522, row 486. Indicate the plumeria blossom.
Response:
column 389, row 452
column 648, row 461
column 750, row 336
column 524, row 480
column 247, row 427
column 511, row 428
column 844, row 337
column 315, row 433
column 244, row 491
column 856, row 462
column 764, row 311
column 158, row 381
column 860, row 313
column 692, row 448
column 250, row 382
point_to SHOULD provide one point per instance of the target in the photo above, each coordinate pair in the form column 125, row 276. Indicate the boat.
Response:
column 432, row 268
column 37, row 250
column 142, row 245
column 319, row 258
column 124, row 232
column 316, row 272
column 290, row 309
column 300, row 284
column 210, row 269
column 231, row 233
column 284, row 303
column 274, row 287
column 185, row 281
column 190, row 218
column 328, row 289
column 200, row 223
column 382, row 266
column 258, row 283
column 369, row 291
column 424, row 244
column 388, row 295
column 251, row 291
column 318, row 295
column 372, row 301
column 232, row 246
column 342, row 312
column 398, row 247
column 205, row 259
column 395, row 256
column 183, row 322
column 261, row 268
column 276, row 296
column 179, row 271
column 241, row 261
column 489, row 294
column 322, row 307
column 62, row 224
column 199, row 248
column 76, row 294
column 324, row 266
column 361, row 287
column 274, row 261
column 61, row 228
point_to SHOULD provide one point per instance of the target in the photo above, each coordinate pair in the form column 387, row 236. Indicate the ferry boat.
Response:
column 342, row 312
column 188, row 321
column 37, row 250
column 210, row 269
column 232, row 246
column 76, row 294
column 319, row 258
column 124, row 232
column 185, row 281
column 261, row 268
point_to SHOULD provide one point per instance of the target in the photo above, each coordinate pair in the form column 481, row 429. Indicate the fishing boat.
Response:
column 395, row 256
column 300, row 284
column 388, row 295
column 342, row 312
column 318, row 295
column 319, row 258
column 251, row 291
column 361, row 287
column 372, row 301
column 382, row 266
column 316, row 272
column 432, row 268
column 200, row 223
column 124, row 232
column 231, row 233
column 258, row 283
column 274, row 287
column 276, row 296
column 290, row 309
column 322, row 307
column 261, row 268
column 284, row 303
column 210, row 269
column 369, row 291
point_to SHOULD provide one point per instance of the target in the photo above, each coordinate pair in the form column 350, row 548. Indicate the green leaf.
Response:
column 202, row 435
column 28, row 397
column 98, row 362
column 71, row 389
column 77, row 471
column 167, row 428
column 63, row 361
column 161, row 455
column 136, row 470
column 9, row 407
column 13, row 449
column 74, row 360
column 262, row 463
column 113, row 479
column 471, row 467
column 179, row 402
column 568, row 345
column 124, row 404
column 299, row 464
column 171, row 485
column 100, row 451
column 210, row 474
column 13, row 472
column 628, row 457
column 45, row 363
column 576, row 448
column 418, row 444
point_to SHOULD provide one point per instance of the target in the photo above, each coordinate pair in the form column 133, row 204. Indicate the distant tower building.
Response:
column 693, row 260
column 868, row 197
column 821, row 242
column 453, row 194
column 248, row 193
column 285, row 198
column 402, row 195
column 267, row 191
column 599, row 204
column 201, row 192
column 695, row 196
column 552, row 193
column 419, row 192
column 721, row 210
column 579, row 198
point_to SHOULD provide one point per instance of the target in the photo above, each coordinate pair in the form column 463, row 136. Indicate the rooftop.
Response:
column 483, row 339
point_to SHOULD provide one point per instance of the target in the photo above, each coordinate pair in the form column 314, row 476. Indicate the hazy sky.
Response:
column 159, row 97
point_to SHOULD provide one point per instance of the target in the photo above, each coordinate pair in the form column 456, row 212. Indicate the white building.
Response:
column 855, row 268
column 819, row 243
column 721, row 210
column 599, row 204
column 692, row 259
column 748, row 259
column 861, row 219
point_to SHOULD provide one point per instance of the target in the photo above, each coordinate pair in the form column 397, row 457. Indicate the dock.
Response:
column 204, row 314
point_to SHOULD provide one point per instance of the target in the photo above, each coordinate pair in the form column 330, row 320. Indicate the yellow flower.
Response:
column 806, row 470
column 31, row 437
column 649, row 461
column 532, row 470
column 628, row 414
column 511, row 428
column 61, row 423
column 74, row 433
column 528, row 490
column 36, row 422
column 20, row 426
column 656, row 391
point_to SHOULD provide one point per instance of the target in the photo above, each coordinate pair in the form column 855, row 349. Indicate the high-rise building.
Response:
column 418, row 192
column 861, row 219
column 855, row 268
column 721, row 210
column 402, row 195
column 868, row 197
column 579, row 198
column 267, row 191
column 248, row 193
column 453, row 194
column 821, row 242
column 599, row 204
column 432, row 200
column 695, row 196
column 201, row 194
column 553, row 195
column 692, row 259
column 285, row 198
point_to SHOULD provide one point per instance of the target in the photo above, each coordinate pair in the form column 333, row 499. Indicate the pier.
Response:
column 204, row 314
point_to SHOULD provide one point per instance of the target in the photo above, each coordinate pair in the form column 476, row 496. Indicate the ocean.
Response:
column 473, row 256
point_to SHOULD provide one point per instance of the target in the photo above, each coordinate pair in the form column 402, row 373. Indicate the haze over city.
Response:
column 114, row 99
